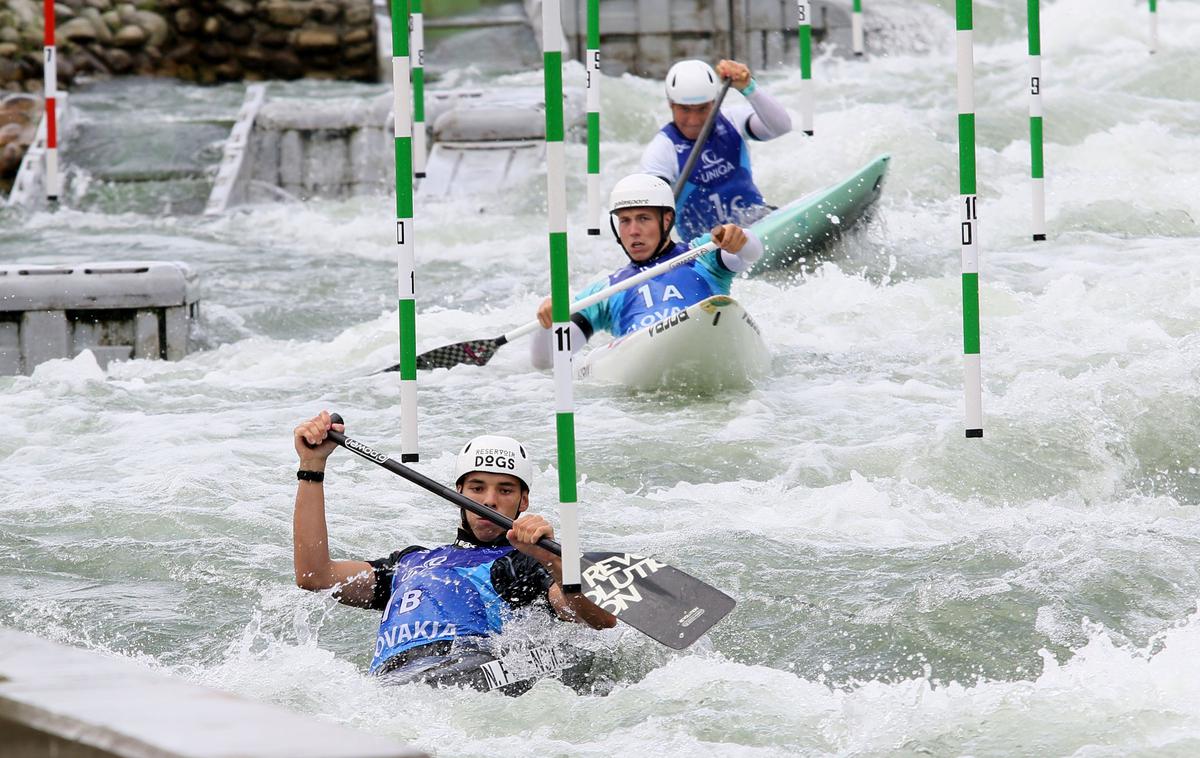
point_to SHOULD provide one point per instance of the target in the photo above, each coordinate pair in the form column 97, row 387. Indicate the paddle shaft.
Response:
column 621, row 286
column 461, row 352
column 698, row 147
column 437, row 488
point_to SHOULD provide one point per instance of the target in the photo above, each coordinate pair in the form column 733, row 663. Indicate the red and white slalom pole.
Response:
column 50, row 84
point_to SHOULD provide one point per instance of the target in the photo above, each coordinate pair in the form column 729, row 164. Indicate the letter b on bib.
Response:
column 411, row 600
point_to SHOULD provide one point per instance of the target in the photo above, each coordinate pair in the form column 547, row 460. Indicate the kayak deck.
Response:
column 712, row 345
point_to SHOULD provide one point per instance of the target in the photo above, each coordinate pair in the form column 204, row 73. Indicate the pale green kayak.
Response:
column 805, row 227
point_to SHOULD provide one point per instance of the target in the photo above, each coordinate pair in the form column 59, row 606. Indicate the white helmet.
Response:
column 641, row 191
column 692, row 83
column 495, row 455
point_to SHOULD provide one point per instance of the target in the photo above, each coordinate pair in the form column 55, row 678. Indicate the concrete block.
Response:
column 264, row 158
column 10, row 344
column 739, row 43
column 105, row 355
column 763, row 15
column 145, row 335
column 755, row 55
column 775, row 50
column 94, row 330
column 618, row 17
column 653, row 18
column 695, row 47
column 115, row 309
column 696, row 17
column 574, row 22
column 291, row 159
column 43, row 337
column 654, row 55
column 371, row 155
column 326, row 156
column 485, row 124
column 175, row 323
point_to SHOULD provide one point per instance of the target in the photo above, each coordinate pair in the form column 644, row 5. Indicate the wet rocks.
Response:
column 19, row 114
column 197, row 40
column 205, row 41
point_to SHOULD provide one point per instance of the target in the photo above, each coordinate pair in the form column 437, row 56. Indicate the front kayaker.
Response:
column 441, row 605
column 721, row 187
column 641, row 214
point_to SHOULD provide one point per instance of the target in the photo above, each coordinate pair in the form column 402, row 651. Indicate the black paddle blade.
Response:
column 658, row 600
column 472, row 353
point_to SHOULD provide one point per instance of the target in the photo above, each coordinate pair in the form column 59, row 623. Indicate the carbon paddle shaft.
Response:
column 437, row 488
column 700, row 140
column 479, row 352
column 660, row 601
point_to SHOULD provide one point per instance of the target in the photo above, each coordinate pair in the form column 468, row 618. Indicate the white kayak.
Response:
column 711, row 345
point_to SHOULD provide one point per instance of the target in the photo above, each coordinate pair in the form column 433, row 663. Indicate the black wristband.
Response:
column 310, row 476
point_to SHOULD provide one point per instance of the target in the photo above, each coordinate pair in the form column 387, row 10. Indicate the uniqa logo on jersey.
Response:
column 712, row 168
column 610, row 581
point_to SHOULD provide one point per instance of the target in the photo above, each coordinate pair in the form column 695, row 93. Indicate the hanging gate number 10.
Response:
column 967, row 237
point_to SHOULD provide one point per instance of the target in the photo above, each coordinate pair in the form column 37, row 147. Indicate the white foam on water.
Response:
column 145, row 509
column 1103, row 697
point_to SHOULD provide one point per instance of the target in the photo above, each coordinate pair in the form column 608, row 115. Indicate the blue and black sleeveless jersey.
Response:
column 657, row 299
column 721, row 189
column 449, row 592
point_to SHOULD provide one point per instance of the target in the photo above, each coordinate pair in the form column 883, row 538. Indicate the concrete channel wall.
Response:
column 344, row 148
column 71, row 703
column 336, row 149
column 644, row 37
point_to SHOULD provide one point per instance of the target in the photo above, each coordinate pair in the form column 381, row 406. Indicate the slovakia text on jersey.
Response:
column 440, row 594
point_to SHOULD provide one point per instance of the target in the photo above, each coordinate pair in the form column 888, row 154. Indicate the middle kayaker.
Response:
column 721, row 187
column 641, row 214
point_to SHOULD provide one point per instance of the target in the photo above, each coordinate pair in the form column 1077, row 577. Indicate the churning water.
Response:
column 902, row 590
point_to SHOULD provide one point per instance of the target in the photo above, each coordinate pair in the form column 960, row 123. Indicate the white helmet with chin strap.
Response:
column 692, row 82
column 494, row 454
column 642, row 191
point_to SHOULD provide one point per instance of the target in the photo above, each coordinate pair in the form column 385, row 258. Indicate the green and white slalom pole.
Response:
column 1036, row 138
column 856, row 28
column 406, row 266
column 593, row 116
column 50, row 95
column 418, row 88
column 973, row 386
column 1153, row 26
column 804, row 32
column 560, row 294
